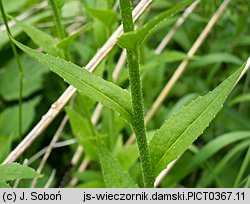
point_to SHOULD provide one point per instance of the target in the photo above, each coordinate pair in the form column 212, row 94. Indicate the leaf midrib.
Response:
column 35, row 54
column 188, row 128
column 91, row 87
column 101, row 93
column 114, row 175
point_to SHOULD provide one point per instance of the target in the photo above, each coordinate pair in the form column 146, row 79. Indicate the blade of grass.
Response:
column 221, row 165
column 243, row 168
column 207, row 152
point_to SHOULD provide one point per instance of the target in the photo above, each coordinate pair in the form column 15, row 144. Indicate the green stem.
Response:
column 20, row 69
column 137, row 98
column 58, row 23
column 57, row 19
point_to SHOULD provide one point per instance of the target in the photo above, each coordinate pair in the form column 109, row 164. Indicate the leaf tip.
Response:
column 245, row 69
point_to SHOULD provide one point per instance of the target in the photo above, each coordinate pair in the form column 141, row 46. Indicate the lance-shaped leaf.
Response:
column 85, row 82
column 133, row 39
column 113, row 174
column 14, row 171
column 182, row 129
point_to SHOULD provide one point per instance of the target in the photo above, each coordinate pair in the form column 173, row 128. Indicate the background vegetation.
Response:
column 218, row 158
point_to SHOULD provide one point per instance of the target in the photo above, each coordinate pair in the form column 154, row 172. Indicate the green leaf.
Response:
column 87, row 83
column 107, row 17
column 113, row 174
column 11, row 6
column 14, row 171
column 243, row 169
column 66, row 42
column 42, row 39
column 182, row 129
column 126, row 156
column 4, row 185
column 33, row 78
column 180, row 103
column 134, row 39
column 89, row 175
column 5, row 144
column 83, row 133
column 9, row 118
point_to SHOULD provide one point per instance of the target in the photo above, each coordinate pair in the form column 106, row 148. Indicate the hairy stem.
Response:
column 137, row 98
column 20, row 69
